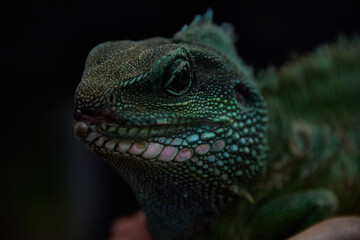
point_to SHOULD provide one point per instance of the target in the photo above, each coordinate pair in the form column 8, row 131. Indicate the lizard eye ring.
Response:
column 179, row 80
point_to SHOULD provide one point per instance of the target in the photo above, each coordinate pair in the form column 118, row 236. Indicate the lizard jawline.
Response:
column 168, row 149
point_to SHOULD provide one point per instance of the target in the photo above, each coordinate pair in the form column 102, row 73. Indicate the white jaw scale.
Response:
column 174, row 149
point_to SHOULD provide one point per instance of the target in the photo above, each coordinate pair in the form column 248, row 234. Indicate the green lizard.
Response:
column 185, row 123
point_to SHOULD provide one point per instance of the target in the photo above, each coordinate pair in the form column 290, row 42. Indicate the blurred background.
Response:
column 52, row 187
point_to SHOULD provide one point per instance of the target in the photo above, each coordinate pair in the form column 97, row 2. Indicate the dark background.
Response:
column 53, row 188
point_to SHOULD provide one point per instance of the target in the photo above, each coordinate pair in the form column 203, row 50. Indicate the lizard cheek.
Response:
column 218, row 146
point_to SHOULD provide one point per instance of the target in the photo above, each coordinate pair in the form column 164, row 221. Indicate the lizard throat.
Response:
column 156, row 148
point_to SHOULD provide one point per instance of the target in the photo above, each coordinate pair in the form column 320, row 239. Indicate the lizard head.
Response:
column 184, row 108
column 170, row 103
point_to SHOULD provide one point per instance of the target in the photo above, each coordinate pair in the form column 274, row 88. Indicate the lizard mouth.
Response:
column 129, row 141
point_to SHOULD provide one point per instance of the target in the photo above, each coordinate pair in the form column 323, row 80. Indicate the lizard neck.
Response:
column 177, row 206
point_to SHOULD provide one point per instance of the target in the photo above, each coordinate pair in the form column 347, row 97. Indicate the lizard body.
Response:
column 184, row 123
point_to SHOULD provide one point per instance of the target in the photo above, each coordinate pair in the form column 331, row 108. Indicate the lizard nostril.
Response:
column 112, row 99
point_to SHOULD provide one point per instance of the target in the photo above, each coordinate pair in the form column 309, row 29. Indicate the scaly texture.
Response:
column 184, row 124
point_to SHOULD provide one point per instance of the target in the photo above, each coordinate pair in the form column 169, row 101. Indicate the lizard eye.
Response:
column 179, row 79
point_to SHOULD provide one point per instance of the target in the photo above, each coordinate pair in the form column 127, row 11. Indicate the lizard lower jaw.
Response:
column 163, row 149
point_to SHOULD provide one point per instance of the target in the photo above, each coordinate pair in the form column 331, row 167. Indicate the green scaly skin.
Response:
column 184, row 123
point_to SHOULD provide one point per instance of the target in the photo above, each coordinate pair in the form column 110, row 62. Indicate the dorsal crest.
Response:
column 202, row 31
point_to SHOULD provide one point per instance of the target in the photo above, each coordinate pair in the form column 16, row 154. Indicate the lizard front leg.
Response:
column 286, row 215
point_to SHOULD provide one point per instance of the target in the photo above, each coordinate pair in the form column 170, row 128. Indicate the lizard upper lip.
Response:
column 162, row 149
column 96, row 118
column 110, row 123
column 83, row 126
column 113, row 118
